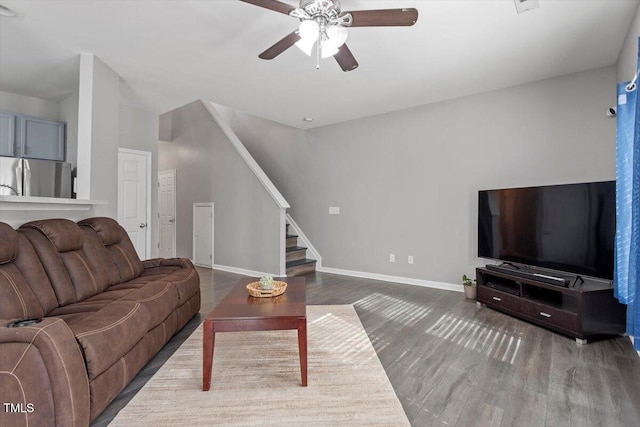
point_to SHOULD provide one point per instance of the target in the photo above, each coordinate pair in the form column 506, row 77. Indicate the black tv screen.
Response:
column 569, row 228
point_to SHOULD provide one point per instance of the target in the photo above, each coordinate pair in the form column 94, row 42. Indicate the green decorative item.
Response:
column 266, row 283
column 469, row 287
column 468, row 281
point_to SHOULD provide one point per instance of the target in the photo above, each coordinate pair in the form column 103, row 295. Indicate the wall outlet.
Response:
column 410, row 259
column 334, row 210
column 392, row 257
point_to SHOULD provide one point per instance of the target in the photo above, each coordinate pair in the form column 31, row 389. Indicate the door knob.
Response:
column 143, row 225
column 172, row 220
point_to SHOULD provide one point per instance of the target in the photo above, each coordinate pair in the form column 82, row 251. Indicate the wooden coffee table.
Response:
column 239, row 311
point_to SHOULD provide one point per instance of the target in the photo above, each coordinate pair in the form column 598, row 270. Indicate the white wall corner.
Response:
column 165, row 127
column 85, row 125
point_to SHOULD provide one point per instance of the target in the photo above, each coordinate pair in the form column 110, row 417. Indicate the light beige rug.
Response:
column 256, row 380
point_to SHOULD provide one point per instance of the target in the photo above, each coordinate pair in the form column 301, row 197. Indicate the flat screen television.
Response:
column 569, row 228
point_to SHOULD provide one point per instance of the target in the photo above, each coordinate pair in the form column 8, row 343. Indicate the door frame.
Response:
column 175, row 208
column 147, row 155
column 193, row 232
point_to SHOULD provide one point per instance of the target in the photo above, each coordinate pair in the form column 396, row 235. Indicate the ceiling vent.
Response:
column 525, row 5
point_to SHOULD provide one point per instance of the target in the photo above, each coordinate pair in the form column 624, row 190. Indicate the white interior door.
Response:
column 134, row 201
column 167, row 213
column 203, row 234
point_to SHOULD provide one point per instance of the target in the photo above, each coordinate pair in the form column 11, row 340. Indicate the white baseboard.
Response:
column 394, row 279
column 251, row 273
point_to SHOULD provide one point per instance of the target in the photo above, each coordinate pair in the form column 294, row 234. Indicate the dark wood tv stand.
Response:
column 585, row 311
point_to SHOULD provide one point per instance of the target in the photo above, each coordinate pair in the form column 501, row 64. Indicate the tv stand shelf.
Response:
column 584, row 311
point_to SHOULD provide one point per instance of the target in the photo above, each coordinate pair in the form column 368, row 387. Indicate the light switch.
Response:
column 334, row 210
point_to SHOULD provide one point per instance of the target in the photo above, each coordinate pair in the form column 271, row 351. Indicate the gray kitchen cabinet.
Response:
column 40, row 138
column 7, row 134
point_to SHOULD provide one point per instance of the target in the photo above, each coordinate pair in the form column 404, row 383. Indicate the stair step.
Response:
column 295, row 253
column 292, row 241
column 301, row 266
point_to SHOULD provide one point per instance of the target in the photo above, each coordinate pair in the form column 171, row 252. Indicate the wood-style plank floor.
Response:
column 453, row 363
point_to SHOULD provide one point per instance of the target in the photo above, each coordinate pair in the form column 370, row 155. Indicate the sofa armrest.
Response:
column 168, row 262
column 42, row 375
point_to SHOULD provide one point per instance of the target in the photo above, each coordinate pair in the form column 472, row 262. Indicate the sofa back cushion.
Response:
column 77, row 265
column 116, row 240
column 25, row 290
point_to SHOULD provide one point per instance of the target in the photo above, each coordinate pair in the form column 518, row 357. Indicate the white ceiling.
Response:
column 169, row 53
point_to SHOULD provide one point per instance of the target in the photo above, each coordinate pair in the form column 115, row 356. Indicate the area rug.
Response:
column 256, row 380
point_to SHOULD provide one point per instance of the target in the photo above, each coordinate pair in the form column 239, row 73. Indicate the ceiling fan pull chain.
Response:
column 318, row 47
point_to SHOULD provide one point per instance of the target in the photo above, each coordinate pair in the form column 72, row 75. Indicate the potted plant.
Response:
column 266, row 283
column 469, row 286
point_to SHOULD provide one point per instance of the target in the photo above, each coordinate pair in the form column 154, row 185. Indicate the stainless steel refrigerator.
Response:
column 37, row 178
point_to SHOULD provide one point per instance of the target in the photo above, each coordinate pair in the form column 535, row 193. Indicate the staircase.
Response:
column 297, row 262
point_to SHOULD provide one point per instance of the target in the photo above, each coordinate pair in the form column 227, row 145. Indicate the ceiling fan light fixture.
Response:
column 306, row 45
column 328, row 49
column 324, row 22
column 337, row 34
column 309, row 30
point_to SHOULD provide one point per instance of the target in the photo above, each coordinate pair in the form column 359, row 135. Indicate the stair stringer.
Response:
column 305, row 241
column 271, row 189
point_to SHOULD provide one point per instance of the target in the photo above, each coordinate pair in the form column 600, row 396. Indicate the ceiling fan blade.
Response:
column 284, row 44
column 383, row 18
column 345, row 59
column 274, row 5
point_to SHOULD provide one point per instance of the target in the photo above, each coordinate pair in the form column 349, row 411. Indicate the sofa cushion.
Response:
column 179, row 272
column 17, row 300
column 78, row 268
column 25, row 290
column 79, row 310
column 109, row 333
column 160, row 299
column 62, row 233
column 8, row 243
column 118, row 244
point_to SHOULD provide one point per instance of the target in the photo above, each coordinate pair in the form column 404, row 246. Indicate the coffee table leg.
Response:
column 302, row 346
column 208, row 340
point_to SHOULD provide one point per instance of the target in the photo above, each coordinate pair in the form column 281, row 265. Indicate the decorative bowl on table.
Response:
column 266, row 288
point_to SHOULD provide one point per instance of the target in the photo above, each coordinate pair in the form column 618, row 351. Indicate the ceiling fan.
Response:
column 323, row 23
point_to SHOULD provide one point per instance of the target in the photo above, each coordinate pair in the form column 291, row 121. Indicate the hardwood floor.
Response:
column 456, row 364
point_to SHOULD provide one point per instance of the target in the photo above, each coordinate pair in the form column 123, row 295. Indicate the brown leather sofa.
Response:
column 104, row 314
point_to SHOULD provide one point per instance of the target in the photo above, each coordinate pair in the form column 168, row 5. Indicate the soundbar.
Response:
column 531, row 274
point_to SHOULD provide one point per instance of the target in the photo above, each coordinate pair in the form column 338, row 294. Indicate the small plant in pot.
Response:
column 266, row 283
column 469, row 287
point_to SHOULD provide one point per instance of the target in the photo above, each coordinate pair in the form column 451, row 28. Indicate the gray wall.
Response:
column 139, row 131
column 69, row 114
column 104, row 138
column 209, row 169
column 29, row 105
column 406, row 182
column 627, row 61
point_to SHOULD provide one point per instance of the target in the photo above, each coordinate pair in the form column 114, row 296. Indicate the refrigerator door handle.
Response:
column 19, row 182
column 26, row 178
